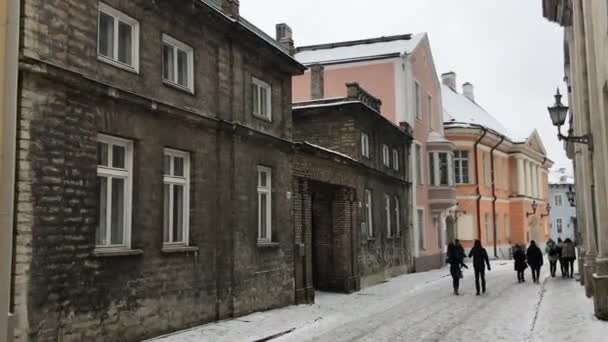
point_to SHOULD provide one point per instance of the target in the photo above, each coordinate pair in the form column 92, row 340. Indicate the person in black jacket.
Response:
column 535, row 260
column 480, row 260
column 456, row 261
column 519, row 256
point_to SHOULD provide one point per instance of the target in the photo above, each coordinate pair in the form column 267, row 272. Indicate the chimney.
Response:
column 231, row 8
column 317, row 82
column 468, row 91
column 449, row 79
column 285, row 37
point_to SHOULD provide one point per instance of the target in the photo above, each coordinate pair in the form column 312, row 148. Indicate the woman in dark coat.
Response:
column 535, row 260
column 456, row 261
column 519, row 255
column 568, row 257
column 480, row 260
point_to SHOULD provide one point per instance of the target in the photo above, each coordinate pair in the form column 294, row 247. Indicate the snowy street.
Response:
column 422, row 307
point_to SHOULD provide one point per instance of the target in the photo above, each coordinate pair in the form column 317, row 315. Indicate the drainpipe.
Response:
column 475, row 150
column 9, row 59
column 494, row 198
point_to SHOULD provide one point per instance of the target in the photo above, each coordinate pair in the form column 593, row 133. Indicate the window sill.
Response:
column 119, row 65
column 262, row 118
column 101, row 253
column 268, row 245
column 178, row 249
column 176, row 86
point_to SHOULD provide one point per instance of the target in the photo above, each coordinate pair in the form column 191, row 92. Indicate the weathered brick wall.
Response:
column 334, row 132
column 62, row 292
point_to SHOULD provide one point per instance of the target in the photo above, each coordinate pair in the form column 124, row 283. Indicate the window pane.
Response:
column 117, row 213
column 166, row 212
column 263, row 215
column 443, row 169
column 124, row 43
column 168, row 65
column 102, row 226
column 178, row 213
column 432, row 169
column 106, row 35
column 263, row 179
column 178, row 165
column 182, row 68
column 102, row 154
column 118, row 156
column 256, row 99
column 263, row 104
column 167, row 165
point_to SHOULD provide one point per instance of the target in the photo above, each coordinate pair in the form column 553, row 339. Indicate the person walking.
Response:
column 461, row 252
column 553, row 255
column 480, row 260
column 519, row 256
column 568, row 257
column 535, row 260
column 456, row 260
column 560, row 246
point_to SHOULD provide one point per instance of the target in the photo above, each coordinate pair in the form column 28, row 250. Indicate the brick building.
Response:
column 500, row 178
column 153, row 169
column 351, row 193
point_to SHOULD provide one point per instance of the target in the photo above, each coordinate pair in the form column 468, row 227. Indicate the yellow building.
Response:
column 9, row 40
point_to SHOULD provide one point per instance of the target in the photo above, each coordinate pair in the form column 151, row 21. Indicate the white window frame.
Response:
column 395, row 159
column 397, row 216
column 176, row 45
column 386, row 156
column 184, row 181
column 257, row 111
column 561, row 200
column 119, row 16
column 435, row 169
column 365, row 145
column 459, row 170
column 268, row 191
column 420, row 224
column 110, row 172
column 369, row 218
column 388, row 214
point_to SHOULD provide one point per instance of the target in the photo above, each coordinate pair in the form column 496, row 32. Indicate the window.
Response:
column 365, row 145
column 439, row 169
column 117, row 38
column 176, row 197
column 388, row 214
column 395, row 159
column 262, row 99
column 444, row 170
column 507, row 228
column 419, row 166
column 461, row 167
column 397, row 231
column 559, row 223
column 386, row 156
column 114, row 177
column 558, row 200
column 431, row 169
column 368, row 213
column 178, row 63
column 264, row 204
column 417, row 100
column 429, row 103
column 489, row 234
column 420, row 225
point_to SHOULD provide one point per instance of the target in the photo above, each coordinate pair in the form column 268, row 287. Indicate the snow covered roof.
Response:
column 329, row 151
column 561, row 176
column 460, row 111
column 359, row 49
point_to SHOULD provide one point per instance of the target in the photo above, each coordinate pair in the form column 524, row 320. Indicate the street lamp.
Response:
column 558, row 114
column 571, row 196
column 534, row 207
column 548, row 211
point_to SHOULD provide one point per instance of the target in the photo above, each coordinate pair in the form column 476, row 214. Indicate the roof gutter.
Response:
column 9, row 67
column 494, row 198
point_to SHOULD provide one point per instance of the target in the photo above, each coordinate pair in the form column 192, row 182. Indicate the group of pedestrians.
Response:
column 455, row 258
column 562, row 251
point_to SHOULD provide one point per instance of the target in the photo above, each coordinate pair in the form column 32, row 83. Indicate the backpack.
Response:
column 553, row 251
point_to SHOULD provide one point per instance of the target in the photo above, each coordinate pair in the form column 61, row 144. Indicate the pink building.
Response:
column 400, row 71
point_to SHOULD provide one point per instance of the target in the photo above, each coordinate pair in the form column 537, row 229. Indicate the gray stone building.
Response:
column 153, row 169
column 351, row 186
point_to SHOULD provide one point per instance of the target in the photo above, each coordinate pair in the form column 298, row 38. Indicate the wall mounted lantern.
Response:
column 571, row 196
column 534, row 207
column 558, row 113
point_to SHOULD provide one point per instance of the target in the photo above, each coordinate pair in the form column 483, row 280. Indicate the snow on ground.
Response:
column 421, row 307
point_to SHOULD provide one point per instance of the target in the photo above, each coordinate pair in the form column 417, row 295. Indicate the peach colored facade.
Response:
column 395, row 80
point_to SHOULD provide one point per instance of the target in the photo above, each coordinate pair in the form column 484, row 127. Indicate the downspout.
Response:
column 475, row 150
column 494, row 198
column 9, row 56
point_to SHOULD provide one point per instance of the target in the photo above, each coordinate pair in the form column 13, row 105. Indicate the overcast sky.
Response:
column 511, row 54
